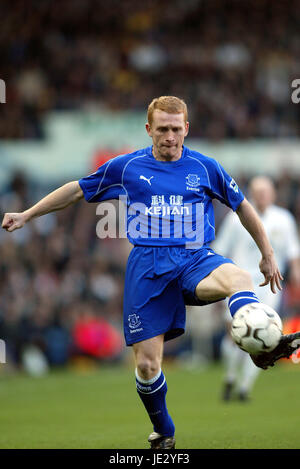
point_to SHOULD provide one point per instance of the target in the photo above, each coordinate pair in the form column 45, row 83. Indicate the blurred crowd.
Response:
column 232, row 61
column 61, row 287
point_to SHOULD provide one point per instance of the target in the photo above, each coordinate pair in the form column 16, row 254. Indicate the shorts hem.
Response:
column 169, row 334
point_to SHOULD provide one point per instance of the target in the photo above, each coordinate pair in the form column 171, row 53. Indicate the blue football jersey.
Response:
column 168, row 203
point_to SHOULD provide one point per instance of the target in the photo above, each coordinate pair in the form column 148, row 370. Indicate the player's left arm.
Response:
column 268, row 265
column 225, row 189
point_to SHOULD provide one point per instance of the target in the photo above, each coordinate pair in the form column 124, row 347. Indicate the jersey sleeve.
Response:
column 223, row 187
column 105, row 183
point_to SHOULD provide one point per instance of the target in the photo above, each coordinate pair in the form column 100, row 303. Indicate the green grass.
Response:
column 100, row 409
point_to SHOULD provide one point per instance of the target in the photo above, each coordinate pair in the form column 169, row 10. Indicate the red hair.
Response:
column 169, row 104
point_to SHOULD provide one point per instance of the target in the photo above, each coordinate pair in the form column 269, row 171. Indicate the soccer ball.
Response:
column 256, row 328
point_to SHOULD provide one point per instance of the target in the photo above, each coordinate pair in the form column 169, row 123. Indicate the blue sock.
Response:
column 153, row 395
column 241, row 298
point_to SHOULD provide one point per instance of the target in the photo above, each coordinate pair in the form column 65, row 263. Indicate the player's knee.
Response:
column 239, row 280
column 147, row 368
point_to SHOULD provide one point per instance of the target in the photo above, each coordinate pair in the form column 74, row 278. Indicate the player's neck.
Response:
column 167, row 158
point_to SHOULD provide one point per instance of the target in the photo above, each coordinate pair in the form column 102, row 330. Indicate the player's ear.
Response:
column 187, row 127
column 148, row 129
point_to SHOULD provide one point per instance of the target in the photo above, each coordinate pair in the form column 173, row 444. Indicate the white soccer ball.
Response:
column 256, row 328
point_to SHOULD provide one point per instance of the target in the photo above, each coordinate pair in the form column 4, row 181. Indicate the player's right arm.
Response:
column 59, row 199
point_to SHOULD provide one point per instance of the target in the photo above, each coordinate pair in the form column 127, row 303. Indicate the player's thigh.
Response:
column 148, row 356
column 223, row 282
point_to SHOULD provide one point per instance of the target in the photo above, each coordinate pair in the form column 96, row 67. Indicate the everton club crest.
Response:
column 192, row 182
column 134, row 321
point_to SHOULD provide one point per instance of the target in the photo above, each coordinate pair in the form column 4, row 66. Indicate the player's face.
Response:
column 167, row 132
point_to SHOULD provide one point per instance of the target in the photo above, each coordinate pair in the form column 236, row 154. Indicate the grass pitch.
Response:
column 100, row 409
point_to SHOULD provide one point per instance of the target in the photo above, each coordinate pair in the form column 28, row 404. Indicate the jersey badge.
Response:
column 134, row 321
column 192, row 180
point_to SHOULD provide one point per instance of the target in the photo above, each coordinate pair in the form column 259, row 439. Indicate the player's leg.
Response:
column 227, row 281
column 148, row 356
column 210, row 278
column 154, row 311
column 224, row 281
column 152, row 389
column 230, row 281
column 221, row 279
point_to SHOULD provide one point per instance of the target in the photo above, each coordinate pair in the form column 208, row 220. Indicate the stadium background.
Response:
column 79, row 76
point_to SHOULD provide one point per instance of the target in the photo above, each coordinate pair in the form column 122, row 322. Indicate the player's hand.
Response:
column 269, row 269
column 13, row 221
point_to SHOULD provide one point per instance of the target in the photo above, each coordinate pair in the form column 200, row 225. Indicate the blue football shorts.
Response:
column 159, row 282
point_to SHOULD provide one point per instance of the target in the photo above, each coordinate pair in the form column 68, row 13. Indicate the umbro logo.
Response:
column 146, row 179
